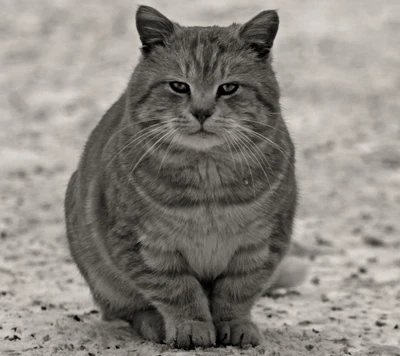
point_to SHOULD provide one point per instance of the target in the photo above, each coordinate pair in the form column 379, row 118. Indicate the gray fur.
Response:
column 176, row 231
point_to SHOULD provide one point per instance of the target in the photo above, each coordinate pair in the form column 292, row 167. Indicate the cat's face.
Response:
column 204, row 87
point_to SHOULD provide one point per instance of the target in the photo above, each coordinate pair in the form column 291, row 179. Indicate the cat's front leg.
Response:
column 162, row 278
column 233, row 297
column 231, row 304
column 184, row 306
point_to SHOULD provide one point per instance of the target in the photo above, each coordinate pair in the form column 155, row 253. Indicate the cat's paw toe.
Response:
column 192, row 333
column 237, row 332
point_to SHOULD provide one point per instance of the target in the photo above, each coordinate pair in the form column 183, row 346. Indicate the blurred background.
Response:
column 64, row 62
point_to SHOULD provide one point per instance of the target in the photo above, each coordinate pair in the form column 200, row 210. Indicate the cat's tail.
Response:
column 294, row 268
column 291, row 272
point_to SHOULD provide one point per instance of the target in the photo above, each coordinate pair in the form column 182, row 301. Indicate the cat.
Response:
column 182, row 205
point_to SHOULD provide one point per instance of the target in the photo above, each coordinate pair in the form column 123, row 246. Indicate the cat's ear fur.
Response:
column 153, row 27
column 260, row 32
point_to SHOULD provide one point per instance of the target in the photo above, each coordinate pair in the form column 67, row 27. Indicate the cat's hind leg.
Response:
column 149, row 324
column 143, row 318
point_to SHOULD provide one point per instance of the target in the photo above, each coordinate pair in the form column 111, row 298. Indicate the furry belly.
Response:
column 207, row 238
column 208, row 256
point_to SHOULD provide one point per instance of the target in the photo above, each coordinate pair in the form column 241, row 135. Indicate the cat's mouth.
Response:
column 201, row 139
column 202, row 133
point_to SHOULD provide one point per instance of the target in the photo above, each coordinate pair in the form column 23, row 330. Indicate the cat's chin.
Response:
column 201, row 141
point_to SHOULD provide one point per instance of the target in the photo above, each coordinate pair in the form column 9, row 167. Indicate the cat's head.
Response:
column 205, row 87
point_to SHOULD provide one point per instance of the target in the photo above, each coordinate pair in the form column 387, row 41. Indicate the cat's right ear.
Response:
column 153, row 27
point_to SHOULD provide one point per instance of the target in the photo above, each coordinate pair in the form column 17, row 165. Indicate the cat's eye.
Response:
column 180, row 87
column 227, row 89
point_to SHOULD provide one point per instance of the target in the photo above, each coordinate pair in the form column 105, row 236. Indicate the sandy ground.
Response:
column 63, row 62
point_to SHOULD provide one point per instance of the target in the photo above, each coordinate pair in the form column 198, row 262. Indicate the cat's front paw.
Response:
column 237, row 332
column 190, row 334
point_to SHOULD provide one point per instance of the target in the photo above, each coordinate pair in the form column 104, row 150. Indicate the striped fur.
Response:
column 176, row 232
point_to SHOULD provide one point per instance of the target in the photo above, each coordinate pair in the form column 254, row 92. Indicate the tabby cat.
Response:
column 183, row 202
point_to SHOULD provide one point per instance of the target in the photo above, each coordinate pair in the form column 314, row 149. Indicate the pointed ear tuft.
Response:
column 153, row 27
column 260, row 32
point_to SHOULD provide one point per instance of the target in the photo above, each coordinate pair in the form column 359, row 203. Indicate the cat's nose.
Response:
column 202, row 115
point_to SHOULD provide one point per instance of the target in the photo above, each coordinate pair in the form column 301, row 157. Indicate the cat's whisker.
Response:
column 127, row 144
column 260, row 153
column 266, row 125
column 248, row 165
column 162, row 122
column 226, row 138
column 256, row 159
column 266, row 139
column 133, row 124
column 166, row 153
column 272, row 113
column 114, row 135
column 145, row 154
column 153, row 135
column 239, row 152
column 140, row 136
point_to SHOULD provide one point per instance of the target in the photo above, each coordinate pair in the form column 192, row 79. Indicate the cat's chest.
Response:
column 208, row 255
column 207, row 240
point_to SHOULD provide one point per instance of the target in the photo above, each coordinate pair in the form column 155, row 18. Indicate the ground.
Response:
column 63, row 64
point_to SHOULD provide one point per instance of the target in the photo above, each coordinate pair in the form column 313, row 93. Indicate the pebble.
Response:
column 309, row 347
column 324, row 298
column 362, row 270
column 373, row 241
column 305, row 322
column 315, row 281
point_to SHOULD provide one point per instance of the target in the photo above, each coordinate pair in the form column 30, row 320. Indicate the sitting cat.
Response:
column 183, row 202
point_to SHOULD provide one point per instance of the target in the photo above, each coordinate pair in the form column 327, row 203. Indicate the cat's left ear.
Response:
column 153, row 27
column 260, row 32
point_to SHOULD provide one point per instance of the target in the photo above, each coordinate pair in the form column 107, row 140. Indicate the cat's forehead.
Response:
column 208, row 53
column 210, row 34
column 210, row 39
